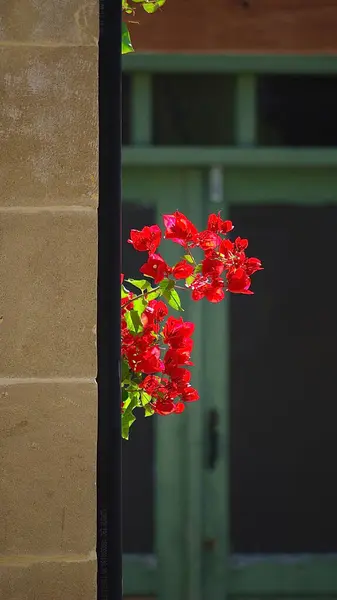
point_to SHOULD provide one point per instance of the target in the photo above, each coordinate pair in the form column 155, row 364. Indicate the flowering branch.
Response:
column 156, row 348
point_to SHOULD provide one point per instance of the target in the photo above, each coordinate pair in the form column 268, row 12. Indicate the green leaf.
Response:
column 127, row 416
column 125, row 370
column 148, row 412
column 141, row 284
column 151, row 7
column 189, row 259
column 126, row 40
column 144, row 398
column 126, row 7
column 189, row 280
column 124, row 292
column 166, row 284
column 139, row 305
column 173, row 299
column 133, row 321
column 153, row 294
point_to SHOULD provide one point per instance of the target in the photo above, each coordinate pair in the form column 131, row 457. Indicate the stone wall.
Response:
column 48, row 173
column 281, row 26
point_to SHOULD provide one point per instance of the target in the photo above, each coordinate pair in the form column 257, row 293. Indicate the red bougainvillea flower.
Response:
column 215, row 292
column 212, row 290
column 241, row 244
column 252, row 265
column 182, row 270
column 207, row 240
column 155, row 312
column 190, row 394
column 155, row 267
column 167, row 407
column 147, row 239
column 179, row 229
column 176, row 357
column 218, row 225
column 175, row 332
column 150, row 384
column 180, row 376
column 238, row 282
column 150, row 361
column 212, row 266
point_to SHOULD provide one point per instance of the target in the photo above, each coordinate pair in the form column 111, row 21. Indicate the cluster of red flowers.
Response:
column 221, row 257
column 156, row 348
column 166, row 377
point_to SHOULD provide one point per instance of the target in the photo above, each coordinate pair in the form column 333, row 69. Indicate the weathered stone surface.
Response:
column 48, row 293
column 48, row 126
column 49, row 581
column 48, row 21
column 47, row 463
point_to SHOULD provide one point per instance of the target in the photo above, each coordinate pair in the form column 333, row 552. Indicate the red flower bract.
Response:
column 182, row 270
column 147, row 239
column 179, row 229
column 190, row 394
column 212, row 266
column 253, row 265
column 212, row 290
column 155, row 267
column 238, row 282
column 207, row 240
column 167, row 407
column 176, row 331
column 218, row 225
column 150, row 384
column 150, row 361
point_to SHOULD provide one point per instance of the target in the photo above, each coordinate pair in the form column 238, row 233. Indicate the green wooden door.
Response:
column 163, row 500
column 270, row 499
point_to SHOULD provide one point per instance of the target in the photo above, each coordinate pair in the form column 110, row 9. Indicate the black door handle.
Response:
column 213, row 438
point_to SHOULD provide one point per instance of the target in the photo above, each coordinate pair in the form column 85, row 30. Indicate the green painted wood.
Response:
column 216, row 395
column 245, row 110
column 177, row 478
column 285, row 576
column 192, row 539
column 194, row 416
column 231, row 63
column 141, row 109
column 281, row 186
column 163, row 189
column 229, row 157
column 140, row 576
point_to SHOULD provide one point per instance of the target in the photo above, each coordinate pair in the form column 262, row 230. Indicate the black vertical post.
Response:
column 109, row 471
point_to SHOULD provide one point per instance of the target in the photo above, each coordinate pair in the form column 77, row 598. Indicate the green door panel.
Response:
column 174, row 571
column 192, row 532
column 287, row 576
column 253, row 577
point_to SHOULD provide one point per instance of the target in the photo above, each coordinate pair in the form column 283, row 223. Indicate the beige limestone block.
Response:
column 48, row 126
column 49, row 581
column 49, row 21
column 47, row 463
column 48, row 293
